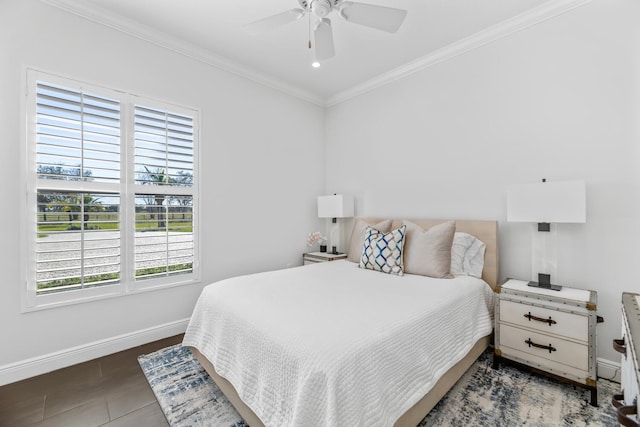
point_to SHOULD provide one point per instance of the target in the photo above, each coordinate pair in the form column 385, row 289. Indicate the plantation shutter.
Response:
column 163, row 147
column 77, row 135
column 164, row 166
column 77, row 160
column 111, row 192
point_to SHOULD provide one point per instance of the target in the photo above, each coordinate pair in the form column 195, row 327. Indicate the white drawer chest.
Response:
column 626, row 403
column 316, row 257
column 553, row 332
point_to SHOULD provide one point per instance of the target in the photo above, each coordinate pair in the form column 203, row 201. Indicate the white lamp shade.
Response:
column 552, row 202
column 335, row 206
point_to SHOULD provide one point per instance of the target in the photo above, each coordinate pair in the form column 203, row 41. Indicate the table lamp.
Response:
column 334, row 207
column 546, row 203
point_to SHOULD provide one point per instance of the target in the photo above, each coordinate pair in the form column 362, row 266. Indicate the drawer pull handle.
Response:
column 617, row 400
column 546, row 347
column 620, row 346
column 531, row 317
column 623, row 416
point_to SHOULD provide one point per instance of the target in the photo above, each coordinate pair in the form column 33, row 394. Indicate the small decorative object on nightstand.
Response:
column 319, row 238
column 315, row 257
column 553, row 332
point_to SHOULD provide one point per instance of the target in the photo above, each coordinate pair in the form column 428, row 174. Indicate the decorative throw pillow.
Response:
column 357, row 236
column 467, row 255
column 383, row 251
column 428, row 253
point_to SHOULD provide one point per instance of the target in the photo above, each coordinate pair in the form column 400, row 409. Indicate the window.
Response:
column 112, row 187
column 163, row 159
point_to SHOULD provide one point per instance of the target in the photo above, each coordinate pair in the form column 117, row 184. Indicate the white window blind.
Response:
column 113, row 196
column 77, row 135
column 77, row 139
column 78, row 243
column 164, row 147
column 164, row 243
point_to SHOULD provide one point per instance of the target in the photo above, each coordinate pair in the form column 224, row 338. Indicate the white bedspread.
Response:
column 330, row 344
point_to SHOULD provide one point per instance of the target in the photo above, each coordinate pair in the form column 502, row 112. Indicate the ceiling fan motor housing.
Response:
column 320, row 8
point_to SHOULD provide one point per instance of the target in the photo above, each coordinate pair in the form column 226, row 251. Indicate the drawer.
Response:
column 629, row 381
column 630, row 384
column 546, row 365
column 565, row 352
column 569, row 325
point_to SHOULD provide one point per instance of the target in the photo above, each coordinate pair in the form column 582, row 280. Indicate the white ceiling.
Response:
column 212, row 29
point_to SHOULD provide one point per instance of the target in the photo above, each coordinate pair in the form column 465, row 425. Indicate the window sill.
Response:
column 34, row 303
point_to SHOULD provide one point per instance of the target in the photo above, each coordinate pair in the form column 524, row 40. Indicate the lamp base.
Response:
column 545, row 286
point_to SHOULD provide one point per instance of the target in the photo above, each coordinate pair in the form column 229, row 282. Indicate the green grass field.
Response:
column 107, row 278
column 176, row 222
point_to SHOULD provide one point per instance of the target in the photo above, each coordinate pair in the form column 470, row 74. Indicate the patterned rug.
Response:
column 483, row 397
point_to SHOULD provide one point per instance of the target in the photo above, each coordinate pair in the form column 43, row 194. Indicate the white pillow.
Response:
column 383, row 251
column 357, row 237
column 467, row 255
column 428, row 252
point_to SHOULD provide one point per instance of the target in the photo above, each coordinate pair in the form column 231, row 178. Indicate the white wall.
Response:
column 559, row 100
column 258, row 187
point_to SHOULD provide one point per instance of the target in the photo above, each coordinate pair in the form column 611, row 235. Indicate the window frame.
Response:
column 126, row 188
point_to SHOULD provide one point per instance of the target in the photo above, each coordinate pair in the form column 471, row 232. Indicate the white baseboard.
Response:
column 608, row 370
column 60, row 359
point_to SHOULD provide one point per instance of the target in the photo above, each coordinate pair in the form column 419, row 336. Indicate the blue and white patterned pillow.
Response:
column 383, row 251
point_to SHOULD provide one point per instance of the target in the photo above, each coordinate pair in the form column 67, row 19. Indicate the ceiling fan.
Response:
column 379, row 17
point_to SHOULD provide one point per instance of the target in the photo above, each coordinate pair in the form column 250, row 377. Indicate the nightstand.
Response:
column 552, row 332
column 627, row 401
column 315, row 257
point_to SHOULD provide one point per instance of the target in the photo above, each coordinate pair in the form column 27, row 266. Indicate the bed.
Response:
column 335, row 344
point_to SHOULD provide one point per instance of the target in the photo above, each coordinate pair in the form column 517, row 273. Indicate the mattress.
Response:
column 330, row 344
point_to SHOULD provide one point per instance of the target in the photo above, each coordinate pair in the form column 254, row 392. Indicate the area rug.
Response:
column 483, row 397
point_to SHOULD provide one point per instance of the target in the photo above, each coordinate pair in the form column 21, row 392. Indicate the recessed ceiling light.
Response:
column 315, row 64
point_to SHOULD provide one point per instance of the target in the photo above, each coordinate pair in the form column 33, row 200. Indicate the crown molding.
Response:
column 150, row 35
column 548, row 10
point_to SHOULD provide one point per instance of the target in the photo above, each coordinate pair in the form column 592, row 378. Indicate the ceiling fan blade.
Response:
column 323, row 36
column 275, row 21
column 382, row 18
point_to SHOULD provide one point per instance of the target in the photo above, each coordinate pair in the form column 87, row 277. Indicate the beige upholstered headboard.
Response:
column 487, row 231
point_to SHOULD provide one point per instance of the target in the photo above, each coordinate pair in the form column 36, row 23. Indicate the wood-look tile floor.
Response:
column 110, row 391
